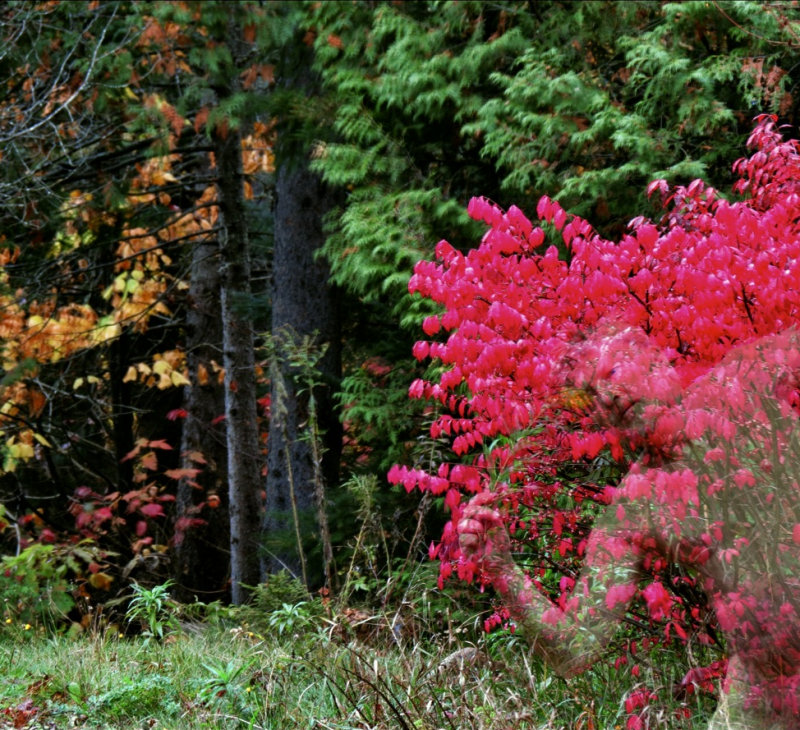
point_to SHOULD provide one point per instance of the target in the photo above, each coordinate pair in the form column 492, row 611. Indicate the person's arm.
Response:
column 569, row 640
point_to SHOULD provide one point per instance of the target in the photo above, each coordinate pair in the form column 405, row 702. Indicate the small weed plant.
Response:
column 153, row 610
column 291, row 618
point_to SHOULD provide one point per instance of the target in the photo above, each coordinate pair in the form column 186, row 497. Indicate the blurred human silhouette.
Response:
column 716, row 490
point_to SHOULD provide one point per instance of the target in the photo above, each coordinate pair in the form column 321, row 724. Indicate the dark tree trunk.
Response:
column 244, row 458
column 122, row 410
column 202, row 555
column 304, row 444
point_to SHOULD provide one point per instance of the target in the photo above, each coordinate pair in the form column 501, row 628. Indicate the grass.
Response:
column 213, row 678
column 295, row 669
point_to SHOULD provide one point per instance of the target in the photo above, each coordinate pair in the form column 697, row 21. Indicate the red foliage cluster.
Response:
column 668, row 358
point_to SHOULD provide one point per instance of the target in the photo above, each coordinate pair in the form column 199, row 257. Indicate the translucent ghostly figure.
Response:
column 721, row 498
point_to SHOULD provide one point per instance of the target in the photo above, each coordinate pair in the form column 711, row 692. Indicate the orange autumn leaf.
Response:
column 133, row 453
column 200, row 118
column 36, row 402
column 196, row 457
column 100, row 581
column 186, row 473
column 160, row 444
column 149, row 461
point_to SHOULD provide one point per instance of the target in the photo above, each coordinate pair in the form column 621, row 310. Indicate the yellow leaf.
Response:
column 164, row 382
column 77, row 384
column 42, row 440
column 144, row 368
column 179, row 378
column 161, row 367
column 130, row 376
column 105, row 332
column 21, row 451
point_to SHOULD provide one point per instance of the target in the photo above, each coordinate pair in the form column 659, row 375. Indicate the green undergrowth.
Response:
column 308, row 670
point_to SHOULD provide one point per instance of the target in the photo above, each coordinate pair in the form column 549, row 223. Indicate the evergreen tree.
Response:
column 582, row 101
column 585, row 102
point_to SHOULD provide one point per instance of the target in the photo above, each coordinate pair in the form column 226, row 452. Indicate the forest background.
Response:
column 211, row 213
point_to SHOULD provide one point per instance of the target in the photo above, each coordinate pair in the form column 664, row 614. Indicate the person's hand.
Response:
column 482, row 535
